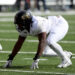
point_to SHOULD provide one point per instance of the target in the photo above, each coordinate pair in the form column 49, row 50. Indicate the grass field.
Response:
column 22, row 62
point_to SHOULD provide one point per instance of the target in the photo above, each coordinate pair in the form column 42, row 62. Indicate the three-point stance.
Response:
column 49, row 32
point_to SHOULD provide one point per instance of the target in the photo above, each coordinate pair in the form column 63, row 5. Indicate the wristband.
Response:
column 36, row 57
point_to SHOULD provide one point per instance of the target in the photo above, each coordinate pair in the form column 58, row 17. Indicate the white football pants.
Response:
column 56, row 34
column 49, row 52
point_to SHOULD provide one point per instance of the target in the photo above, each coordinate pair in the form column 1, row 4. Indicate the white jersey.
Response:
column 41, row 24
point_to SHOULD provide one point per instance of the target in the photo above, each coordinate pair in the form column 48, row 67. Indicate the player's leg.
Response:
column 56, row 35
column 49, row 52
column 58, row 49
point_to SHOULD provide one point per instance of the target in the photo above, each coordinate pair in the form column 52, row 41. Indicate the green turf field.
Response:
column 22, row 62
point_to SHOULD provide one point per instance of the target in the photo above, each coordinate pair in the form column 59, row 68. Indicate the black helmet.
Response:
column 24, row 18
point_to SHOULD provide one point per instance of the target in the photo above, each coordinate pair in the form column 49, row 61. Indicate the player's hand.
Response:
column 8, row 64
column 35, row 64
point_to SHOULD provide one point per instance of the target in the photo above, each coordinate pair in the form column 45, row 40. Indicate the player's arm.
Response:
column 15, row 50
column 17, row 47
column 41, row 45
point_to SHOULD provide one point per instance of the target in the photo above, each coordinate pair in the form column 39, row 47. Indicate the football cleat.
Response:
column 8, row 64
column 65, row 64
column 69, row 54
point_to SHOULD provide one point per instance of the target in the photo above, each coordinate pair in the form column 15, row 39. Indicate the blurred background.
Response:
column 39, row 6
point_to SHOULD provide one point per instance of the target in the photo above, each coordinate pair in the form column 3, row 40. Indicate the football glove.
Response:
column 35, row 64
column 8, row 64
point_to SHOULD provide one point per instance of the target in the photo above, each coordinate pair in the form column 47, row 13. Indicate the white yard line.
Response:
column 15, row 31
column 6, row 19
column 32, row 59
column 5, row 25
column 11, row 19
column 73, row 57
column 73, row 54
column 24, row 52
column 38, row 72
column 8, row 14
column 1, row 39
column 18, row 52
column 8, row 31
column 69, row 42
column 6, row 70
column 2, row 61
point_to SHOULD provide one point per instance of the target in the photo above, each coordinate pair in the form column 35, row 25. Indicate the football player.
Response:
column 48, row 30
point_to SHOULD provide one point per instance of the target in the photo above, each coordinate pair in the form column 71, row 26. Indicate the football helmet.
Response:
column 23, row 19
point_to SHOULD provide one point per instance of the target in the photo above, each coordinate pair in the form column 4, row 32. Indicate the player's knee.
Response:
column 51, row 42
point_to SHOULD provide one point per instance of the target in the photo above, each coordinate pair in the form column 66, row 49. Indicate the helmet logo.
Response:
column 26, row 16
